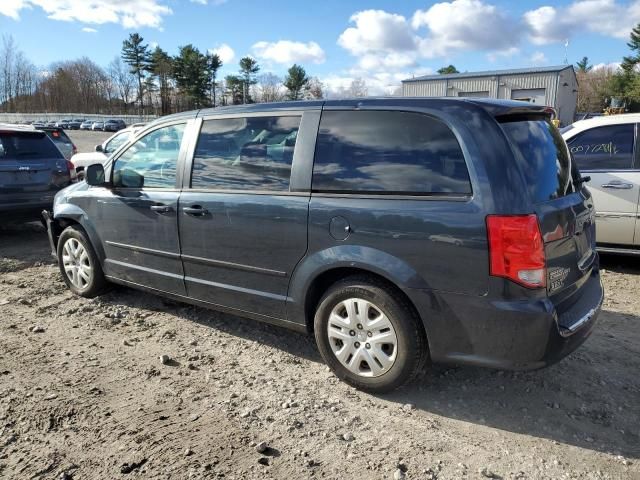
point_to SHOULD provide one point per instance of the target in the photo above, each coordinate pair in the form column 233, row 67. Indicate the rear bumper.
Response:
column 508, row 334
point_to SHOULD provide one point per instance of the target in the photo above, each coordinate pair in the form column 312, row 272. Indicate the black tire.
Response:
column 412, row 350
column 97, row 283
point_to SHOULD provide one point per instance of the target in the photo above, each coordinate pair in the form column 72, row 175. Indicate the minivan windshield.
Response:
column 545, row 160
column 26, row 146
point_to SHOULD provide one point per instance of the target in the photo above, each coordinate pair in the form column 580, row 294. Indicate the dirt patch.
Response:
column 84, row 393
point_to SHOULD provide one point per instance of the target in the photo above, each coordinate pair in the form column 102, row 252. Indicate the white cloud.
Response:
column 89, row 30
column 378, row 83
column 506, row 53
column 463, row 25
column 287, row 52
column 377, row 31
column 225, row 52
column 128, row 13
column 11, row 8
column 206, row 2
column 613, row 66
column 606, row 17
column 538, row 58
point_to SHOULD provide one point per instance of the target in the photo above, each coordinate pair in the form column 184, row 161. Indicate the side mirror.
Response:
column 99, row 148
column 128, row 178
column 94, row 175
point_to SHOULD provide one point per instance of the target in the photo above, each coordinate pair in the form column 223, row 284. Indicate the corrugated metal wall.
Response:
column 497, row 86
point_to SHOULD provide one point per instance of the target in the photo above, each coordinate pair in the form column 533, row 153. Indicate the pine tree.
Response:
column 136, row 55
column 192, row 76
column 214, row 63
column 629, row 62
column 583, row 65
column 447, row 70
column 296, row 81
column 248, row 69
column 161, row 66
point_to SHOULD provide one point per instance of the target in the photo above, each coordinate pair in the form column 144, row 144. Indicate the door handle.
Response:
column 196, row 211
column 618, row 185
column 160, row 208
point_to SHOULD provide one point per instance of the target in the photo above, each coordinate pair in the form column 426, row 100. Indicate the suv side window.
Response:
column 609, row 148
column 116, row 142
column 154, row 157
column 249, row 153
column 388, row 152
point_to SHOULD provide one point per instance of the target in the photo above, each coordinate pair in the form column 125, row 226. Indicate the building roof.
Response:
column 491, row 73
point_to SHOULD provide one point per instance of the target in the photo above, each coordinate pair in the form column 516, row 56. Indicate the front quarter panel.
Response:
column 70, row 206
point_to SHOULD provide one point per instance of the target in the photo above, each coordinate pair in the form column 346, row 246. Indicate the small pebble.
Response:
column 261, row 447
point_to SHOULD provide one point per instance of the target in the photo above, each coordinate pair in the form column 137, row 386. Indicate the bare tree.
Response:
column 358, row 88
column 269, row 88
column 315, row 89
column 123, row 81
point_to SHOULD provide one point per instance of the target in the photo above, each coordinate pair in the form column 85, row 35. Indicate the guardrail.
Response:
column 54, row 117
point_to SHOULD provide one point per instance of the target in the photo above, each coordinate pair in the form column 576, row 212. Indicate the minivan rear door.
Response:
column 564, row 207
column 30, row 163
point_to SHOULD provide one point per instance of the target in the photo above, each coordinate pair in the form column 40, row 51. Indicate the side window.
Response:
column 387, row 152
column 116, row 142
column 250, row 153
column 153, row 157
column 609, row 147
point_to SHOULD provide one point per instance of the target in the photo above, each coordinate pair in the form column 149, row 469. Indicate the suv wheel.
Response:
column 79, row 264
column 369, row 336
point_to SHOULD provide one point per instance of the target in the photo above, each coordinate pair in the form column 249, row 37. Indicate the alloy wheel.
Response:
column 77, row 266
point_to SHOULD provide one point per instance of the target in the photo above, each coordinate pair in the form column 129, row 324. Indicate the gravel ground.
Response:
column 86, row 140
column 131, row 385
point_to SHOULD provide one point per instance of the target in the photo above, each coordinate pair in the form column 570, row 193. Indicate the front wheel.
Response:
column 369, row 335
column 79, row 264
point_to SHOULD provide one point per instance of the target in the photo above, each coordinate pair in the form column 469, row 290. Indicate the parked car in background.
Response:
column 75, row 123
column 97, row 126
column 39, row 123
column 102, row 151
column 63, row 124
column 61, row 140
column 50, row 123
column 86, row 125
column 317, row 216
column 32, row 170
column 606, row 149
column 114, row 125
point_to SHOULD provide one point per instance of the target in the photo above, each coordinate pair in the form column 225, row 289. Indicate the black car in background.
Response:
column 114, row 125
column 32, row 170
column 75, row 123
column 398, row 231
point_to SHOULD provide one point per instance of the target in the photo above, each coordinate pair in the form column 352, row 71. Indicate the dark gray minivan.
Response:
column 32, row 171
column 398, row 230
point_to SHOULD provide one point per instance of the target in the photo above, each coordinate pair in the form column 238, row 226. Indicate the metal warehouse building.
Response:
column 553, row 86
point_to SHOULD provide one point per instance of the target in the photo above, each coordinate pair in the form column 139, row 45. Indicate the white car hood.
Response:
column 86, row 159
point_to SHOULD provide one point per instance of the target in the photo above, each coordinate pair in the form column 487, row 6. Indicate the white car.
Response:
column 105, row 149
column 605, row 149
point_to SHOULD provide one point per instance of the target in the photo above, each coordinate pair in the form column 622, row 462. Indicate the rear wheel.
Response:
column 369, row 336
column 79, row 264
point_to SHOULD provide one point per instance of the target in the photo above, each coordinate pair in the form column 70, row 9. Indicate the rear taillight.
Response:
column 516, row 250
column 72, row 171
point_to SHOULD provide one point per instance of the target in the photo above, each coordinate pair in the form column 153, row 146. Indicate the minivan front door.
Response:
column 606, row 154
column 242, row 230
column 136, row 217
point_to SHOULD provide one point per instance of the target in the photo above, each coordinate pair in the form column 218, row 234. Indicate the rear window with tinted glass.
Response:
column 388, row 152
column 544, row 158
column 26, row 146
column 58, row 137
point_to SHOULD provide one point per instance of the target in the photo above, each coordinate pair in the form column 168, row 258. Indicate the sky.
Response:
column 380, row 41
